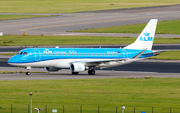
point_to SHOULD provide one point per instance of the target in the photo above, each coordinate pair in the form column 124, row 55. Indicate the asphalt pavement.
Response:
column 66, row 74
column 59, row 25
column 86, row 20
column 160, row 66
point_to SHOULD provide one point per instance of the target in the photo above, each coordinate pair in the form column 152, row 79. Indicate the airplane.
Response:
column 86, row 59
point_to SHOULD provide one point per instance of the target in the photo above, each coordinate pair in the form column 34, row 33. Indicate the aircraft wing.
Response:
column 96, row 63
column 99, row 63
column 156, row 52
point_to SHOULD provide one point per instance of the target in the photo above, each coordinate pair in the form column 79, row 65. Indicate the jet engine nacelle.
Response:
column 77, row 67
column 52, row 69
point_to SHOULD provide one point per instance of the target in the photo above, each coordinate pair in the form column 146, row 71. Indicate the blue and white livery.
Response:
column 82, row 59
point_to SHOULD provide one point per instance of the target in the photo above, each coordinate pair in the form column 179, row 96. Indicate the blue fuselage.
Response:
column 32, row 55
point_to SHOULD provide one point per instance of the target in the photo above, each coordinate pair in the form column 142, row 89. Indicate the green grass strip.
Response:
column 19, row 40
column 163, row 27
column 168, row 55
column 69, row 6
column 12, row 17
column 142, row 93
column 10, row 54
column 10, row 72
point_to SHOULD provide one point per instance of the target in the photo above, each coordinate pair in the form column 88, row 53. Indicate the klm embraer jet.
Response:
column 82, row 59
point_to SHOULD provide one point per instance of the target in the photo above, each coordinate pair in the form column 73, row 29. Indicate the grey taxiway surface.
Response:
column 156, row 68
column 66, row 74
column 58, row 25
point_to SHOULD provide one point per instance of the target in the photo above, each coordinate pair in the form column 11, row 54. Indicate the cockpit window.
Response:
column 19, row 53
column 25, row 53
column 22, row 53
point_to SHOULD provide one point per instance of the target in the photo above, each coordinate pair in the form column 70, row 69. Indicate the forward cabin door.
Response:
column 37, row 55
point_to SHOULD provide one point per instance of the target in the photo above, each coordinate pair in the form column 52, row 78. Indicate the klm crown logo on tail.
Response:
column 146, row 37
column 146, row 34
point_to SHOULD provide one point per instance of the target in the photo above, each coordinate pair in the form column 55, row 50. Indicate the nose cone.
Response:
column 12, row 60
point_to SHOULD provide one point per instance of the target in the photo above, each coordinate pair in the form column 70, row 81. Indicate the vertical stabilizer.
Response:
column 146, row 38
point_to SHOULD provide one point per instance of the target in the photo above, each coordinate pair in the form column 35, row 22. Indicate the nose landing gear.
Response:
column 28, row 73
column 28, row 68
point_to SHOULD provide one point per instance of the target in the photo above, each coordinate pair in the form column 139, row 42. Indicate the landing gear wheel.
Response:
column 75, row 73
column 28, row 73
column 91, row 72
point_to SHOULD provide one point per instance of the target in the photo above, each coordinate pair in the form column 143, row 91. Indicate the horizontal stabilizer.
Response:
column 139, row 54
column 156, row 52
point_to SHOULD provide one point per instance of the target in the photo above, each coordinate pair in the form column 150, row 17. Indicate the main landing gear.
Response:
column 91, row 72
